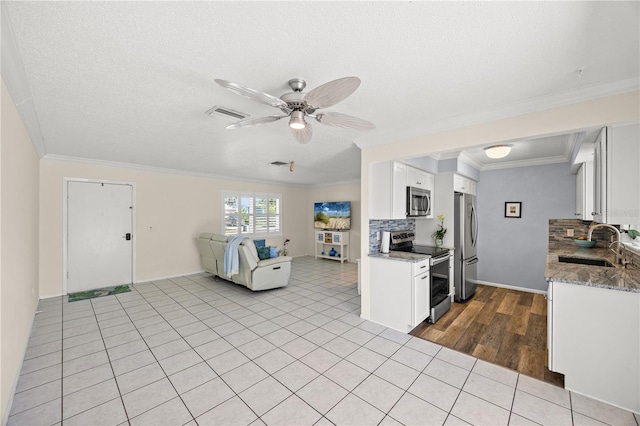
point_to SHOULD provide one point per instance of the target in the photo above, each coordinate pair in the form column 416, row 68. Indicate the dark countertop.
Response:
column 616, row 278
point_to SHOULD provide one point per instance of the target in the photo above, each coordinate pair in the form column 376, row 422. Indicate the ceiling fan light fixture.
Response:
column 497, row 151
column 297, row 120
column 291, row 166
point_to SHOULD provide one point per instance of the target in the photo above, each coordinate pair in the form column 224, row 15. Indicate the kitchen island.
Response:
column 594, row 325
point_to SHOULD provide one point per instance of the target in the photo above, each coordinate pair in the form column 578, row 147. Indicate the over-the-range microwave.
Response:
column 418, row 202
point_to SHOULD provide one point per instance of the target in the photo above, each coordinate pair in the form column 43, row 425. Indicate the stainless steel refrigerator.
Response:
column 465, row 236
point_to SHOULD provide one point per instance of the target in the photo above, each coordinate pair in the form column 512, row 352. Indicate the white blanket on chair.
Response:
column 231, row 256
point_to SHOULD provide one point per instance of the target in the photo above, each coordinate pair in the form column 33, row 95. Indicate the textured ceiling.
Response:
column 130, row 82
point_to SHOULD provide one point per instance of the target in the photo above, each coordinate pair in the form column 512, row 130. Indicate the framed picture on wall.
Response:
column 513, row 209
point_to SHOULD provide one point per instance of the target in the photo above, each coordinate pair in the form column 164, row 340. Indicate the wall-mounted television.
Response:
column 332, row 215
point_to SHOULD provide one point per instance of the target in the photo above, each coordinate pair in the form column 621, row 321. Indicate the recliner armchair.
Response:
column 253, row 273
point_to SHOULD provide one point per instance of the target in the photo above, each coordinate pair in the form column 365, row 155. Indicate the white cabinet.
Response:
column 594, row 340
column 389, row 181
column 464, row 184
column 623, row 175
column 332, row 245
column 416, row 177
column 420, row 297
column 399, row 293
column 616, row 175
column 584, row 191
column 600, row 178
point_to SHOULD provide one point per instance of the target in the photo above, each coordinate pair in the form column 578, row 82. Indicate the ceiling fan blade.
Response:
column 302, row 135
column 345, row 121
column 332, row 92
column 247, row 122
column 247, row 92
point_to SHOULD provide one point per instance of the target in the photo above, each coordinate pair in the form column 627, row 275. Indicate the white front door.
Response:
column 99, row 235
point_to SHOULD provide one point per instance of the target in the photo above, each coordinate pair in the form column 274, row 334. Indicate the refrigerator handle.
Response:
column 474, row 233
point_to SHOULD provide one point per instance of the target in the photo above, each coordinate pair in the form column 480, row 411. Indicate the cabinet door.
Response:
column 623, row 174
column 550, row 327
column 417, row 178
column 420, row 298
column 580, row 187
column 600, row 178
column 399, row 192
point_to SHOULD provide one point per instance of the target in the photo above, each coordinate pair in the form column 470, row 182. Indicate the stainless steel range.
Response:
column 439, row 272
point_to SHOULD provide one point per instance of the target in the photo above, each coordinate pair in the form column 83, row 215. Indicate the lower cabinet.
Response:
column 594, row 340
column 399, row 293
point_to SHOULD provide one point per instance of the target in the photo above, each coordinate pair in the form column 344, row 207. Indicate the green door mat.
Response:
column 90, row 294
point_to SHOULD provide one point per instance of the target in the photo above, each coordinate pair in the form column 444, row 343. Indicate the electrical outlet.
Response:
column 569, row 232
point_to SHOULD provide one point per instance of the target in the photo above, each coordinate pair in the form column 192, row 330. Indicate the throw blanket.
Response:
column 231, row 257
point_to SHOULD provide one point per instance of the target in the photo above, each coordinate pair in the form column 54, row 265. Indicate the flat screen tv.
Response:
column 332, row 215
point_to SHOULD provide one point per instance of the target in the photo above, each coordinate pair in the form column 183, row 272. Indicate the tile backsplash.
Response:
column 376, row 226
column 558, row 231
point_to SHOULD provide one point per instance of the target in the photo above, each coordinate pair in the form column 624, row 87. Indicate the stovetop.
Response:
column 403, row 241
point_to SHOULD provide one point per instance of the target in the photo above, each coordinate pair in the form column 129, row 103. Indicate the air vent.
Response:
column 279, row 163
column 227, row 113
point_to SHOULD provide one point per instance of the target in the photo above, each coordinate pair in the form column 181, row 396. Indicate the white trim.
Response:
column 168, row 277
column 65, row 183
column 52, row 296
column 153, row 169
column 502, row 112
column 511, row 287
column 14, row 386
column 526, row 163
column 469, row 160
column 14, row 76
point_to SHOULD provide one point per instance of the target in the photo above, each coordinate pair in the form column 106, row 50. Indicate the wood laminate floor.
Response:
column 502, row 326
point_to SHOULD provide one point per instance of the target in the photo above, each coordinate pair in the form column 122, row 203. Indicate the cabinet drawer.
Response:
column 421, row 267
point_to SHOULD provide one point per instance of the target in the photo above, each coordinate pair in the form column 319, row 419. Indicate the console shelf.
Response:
column 328, row 240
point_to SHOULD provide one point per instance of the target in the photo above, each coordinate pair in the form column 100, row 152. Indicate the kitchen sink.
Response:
column 585, row 261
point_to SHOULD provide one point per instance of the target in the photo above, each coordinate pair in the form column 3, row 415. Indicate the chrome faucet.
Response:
column 617, row 252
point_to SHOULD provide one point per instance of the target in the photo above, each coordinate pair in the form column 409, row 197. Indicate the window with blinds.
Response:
column 255, row 215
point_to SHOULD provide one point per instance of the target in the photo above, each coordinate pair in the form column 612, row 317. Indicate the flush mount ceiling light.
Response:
column 498, row 151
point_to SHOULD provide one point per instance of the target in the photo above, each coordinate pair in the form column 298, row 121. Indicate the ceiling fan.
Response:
column 299, row 105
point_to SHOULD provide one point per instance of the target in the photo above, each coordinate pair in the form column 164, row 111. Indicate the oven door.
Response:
column 439, row 288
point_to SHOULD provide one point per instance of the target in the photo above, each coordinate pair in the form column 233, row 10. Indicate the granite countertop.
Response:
column 616, row 278
column 402, row 256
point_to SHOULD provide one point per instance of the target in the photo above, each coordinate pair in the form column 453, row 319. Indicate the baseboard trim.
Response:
column 12, row 394
column 168, row 277
column 52, row 296
column 511, row 287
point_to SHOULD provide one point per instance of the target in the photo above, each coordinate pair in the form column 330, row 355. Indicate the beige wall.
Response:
column 171, row 210
column 18, row 245
column 599, row 112
column 343, row 192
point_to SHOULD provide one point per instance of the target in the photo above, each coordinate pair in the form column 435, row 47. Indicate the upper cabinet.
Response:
column 584, row 191
column 419, row 178
column 464, row 184
column 389, row 181
column 616, row 176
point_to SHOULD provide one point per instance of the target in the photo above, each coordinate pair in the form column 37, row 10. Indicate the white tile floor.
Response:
column 192, row 350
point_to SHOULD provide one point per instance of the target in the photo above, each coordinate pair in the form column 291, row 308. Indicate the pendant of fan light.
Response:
column 298, row 106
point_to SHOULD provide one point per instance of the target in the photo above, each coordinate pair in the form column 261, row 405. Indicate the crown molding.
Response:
column 469, row 160
column 515, row 109
column 526, row 163
column 153, row 169
column 14, row 77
